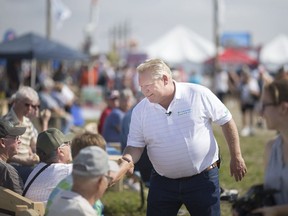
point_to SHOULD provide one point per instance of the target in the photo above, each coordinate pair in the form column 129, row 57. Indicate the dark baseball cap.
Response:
column 7, row 128
column 51, row 139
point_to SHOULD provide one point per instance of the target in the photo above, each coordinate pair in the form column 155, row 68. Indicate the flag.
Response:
column 60, row 12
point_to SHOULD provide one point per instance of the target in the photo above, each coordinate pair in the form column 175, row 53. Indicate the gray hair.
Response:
column 26, row 92
column 157, row 67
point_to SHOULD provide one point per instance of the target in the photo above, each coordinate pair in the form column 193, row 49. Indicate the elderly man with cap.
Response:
column 9, row 138
column 53, row 149
column 90, row 181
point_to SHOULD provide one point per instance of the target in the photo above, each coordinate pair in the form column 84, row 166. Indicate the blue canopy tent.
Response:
column 34, row 47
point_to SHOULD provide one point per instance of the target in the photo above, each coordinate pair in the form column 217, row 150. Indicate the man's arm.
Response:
column 237, row 164
column 130, row 156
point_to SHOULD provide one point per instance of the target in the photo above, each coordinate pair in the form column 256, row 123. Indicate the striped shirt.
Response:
column 181, row 143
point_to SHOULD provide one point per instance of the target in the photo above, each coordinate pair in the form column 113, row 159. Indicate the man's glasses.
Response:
column 33, row 106
column 65, row 144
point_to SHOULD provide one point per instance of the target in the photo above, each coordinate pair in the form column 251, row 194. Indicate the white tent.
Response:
column 275, row 52
column 181, row 45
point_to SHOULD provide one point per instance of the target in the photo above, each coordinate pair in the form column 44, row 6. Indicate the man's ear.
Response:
column 2, row 142
column 60, row 151
column 165, row 78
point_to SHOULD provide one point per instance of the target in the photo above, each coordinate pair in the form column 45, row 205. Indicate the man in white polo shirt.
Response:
column 174, row 121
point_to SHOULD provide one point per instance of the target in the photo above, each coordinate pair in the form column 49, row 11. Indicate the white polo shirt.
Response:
column 181, row 144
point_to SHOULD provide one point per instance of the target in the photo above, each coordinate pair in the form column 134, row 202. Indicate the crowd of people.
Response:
column 168, row 121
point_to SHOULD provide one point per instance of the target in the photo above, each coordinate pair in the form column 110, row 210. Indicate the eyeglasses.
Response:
column 15, row 138
column 65, row 144
column 36, row 106
column 264, row 105
column 33, row 106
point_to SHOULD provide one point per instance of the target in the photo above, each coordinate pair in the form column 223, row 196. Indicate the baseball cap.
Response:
column 7, row 128
column 92, row 161
column 51, row 139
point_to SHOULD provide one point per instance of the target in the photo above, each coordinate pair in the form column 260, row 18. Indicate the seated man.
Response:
column 23, row 103
column 9, row 142
column 53, row 148
column 80, row 142
column 90, row 181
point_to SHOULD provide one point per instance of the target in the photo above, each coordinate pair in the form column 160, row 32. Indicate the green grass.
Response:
column 126, row 203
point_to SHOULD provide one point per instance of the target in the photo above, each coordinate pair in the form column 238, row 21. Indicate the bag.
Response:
column 255, row 197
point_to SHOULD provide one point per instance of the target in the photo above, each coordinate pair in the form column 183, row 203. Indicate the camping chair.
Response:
column 17, row 205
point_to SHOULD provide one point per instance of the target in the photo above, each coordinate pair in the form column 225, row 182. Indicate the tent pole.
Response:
column 216, row 35
column 48, row 19
column 33, row 73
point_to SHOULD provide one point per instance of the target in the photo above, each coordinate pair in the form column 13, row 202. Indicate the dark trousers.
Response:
column 199, row 193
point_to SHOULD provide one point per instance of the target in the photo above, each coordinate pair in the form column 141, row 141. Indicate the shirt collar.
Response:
column 177, row 90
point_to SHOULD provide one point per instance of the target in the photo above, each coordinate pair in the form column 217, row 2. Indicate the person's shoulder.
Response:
column 192, row 89
column 4, row 167
column 7, row 171
column 10, row 116
column 142, row 105
column 193, row 86
column 270, row 143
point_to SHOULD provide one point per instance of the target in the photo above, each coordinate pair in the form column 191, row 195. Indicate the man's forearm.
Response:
column 132, row 153
column 232, row 138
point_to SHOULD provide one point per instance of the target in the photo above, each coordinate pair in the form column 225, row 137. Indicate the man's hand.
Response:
column 238, row 168
column 125, row 168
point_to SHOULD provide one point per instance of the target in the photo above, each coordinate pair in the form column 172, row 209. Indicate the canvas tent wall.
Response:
column 181, row 45
column 183, row 49
column 274, row 54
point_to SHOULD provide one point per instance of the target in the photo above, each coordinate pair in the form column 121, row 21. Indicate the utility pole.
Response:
column 216, row 34
column 48, row 19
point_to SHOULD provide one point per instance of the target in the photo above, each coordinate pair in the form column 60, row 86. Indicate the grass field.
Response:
column 126, row 203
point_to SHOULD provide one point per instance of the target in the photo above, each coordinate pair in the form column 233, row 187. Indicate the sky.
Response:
column 147, row 20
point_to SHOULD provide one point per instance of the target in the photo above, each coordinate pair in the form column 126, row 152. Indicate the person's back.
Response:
column 44, row 184
column 112, row 124
column 53, row 148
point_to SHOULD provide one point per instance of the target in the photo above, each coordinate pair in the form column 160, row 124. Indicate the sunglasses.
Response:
column 33, row 106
